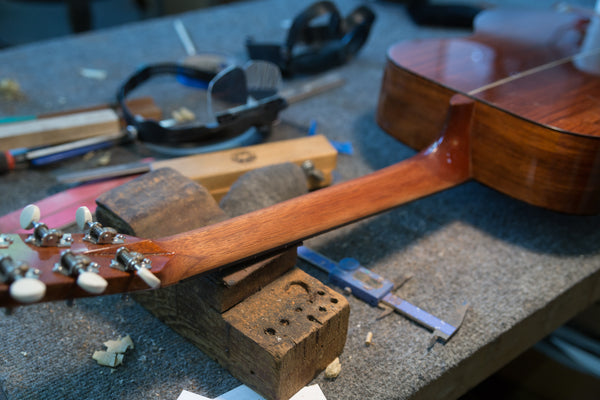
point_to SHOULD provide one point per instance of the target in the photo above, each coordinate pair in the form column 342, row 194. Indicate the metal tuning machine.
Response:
column 42, row 235
column 25, row 287
column 311, row 171
column 84, row 269
column 94, row 231
column 5, row 241
column 131, row 261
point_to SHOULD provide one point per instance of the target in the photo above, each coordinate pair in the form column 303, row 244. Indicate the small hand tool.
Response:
column 376, row 290
column 207, row 61
column 14, row 159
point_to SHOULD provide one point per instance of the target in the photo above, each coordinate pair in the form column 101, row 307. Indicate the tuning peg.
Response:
column 92, row 282
column 83, row 216
column 30, row 215
column 130, row 261
column 42, row 236
column 94, row 231
column 148, row 277
column 27, row 290
column 24, row 285
column 86, row 271
column 5, row 241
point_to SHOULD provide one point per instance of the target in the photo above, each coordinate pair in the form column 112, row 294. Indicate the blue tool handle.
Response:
column 63, row 155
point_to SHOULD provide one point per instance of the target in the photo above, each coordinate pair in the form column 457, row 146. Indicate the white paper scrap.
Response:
column 185, row 395
column 243, row 392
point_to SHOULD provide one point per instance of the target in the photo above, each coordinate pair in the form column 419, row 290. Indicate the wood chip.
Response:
column 104, row 159
column 119, row 346
column 369, row 339
column 333, row 370
column 183, row 115
column 113, row 356
column 10, row 89
column 93, row 73
column 108, row 359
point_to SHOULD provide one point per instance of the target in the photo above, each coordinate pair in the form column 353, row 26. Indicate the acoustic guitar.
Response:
column 515, row 106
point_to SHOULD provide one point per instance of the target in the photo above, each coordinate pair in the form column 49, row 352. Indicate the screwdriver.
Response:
column 21, row 158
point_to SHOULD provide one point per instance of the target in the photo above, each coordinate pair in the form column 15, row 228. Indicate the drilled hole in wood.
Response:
column 321, row 293
column 311, row 318
column 298, row 285
column 270, row 331
column 334, row 300
column 284, row 322
column 298, row 309
column 322, row 309
column 251, row 372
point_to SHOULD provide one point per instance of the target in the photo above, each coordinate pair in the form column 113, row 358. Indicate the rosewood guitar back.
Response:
column 535, row 127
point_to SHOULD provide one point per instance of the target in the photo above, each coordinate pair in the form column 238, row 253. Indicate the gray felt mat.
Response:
column 509, row 260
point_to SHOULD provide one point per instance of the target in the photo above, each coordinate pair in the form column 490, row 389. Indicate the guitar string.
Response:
column 534, row 70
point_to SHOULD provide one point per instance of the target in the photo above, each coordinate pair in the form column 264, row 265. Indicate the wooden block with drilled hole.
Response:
column 275, row 341
column 280, row 338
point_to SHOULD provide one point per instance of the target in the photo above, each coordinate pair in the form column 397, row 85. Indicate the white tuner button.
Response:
column 29, row 215
column 148, row 277
column 91, row 282
column 27, row 290
column 83, row 216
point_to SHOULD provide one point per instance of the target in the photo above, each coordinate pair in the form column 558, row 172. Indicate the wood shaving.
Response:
column 108, row 359
column 10, row 89
column 93, row 73
column 183, row 115
column 104, row 159
column 114, row 354
column 333, row 370
column 119, row 346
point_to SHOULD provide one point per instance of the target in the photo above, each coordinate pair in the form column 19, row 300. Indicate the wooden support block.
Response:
column 275, row 341
column 281, row 337
column 271, row 325
column 157, row 204
column 224, row 289
column 61, row 129
column 219, row 170
column 163, row 203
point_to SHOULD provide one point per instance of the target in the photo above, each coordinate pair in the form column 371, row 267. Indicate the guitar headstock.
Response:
column 49, row 264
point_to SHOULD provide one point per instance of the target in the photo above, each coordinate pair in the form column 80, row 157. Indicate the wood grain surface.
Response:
column 535, row 125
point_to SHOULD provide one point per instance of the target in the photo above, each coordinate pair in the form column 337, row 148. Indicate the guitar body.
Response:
column 535, row 124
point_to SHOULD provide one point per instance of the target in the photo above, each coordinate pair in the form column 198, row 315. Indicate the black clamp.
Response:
column 316, row 48
column 229, row 124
